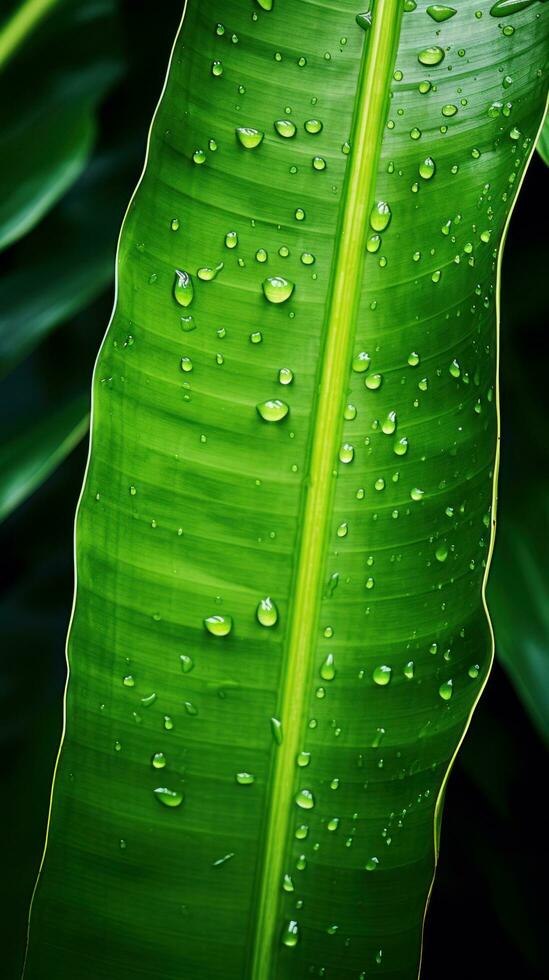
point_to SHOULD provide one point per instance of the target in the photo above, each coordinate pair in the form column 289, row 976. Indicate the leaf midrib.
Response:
column 369, row 116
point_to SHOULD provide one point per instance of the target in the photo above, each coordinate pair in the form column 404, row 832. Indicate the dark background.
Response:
column 487, row 916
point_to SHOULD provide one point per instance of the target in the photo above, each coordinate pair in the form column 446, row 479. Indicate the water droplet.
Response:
column 382, row 675
column 440, row 13
column 305, row 799
column 223, row 860
column 276, row 730
column 168, row 797
column 183, row 289
column 313, row 126
column 333, row 824
column 446, row 690
column 206, row 273
column 199, row 157
column 474, row 671
column 400, row 446
column 217, row 68
column 427, row 170
column 277, row 289
column 186, row 663
column 417, row 494
column 389, row 425
column 174, row 224
column 504, row 8
column 364, row 20
column 158, row 760
column 248, row 137
column 409, row 670
column 266, row 612
column 287, row 883
column 290, row 933
column 373, row 382
column 273, row 410
column 128, row 681
column 244, row 778
column 431, row 56
column 380, row 216
column 303, row 759
column 449, row 110
column 186, row 364
column 231, row 239
column 285, row 128
column 361, row 362
column 346, row 453
column 299, row 214
column 327, row 669
column 285, row 376
column 371, row 864
column 319, row 163
column 219, row 625
column 441, row 553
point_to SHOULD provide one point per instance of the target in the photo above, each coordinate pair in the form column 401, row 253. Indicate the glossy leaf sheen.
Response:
column 195, row 507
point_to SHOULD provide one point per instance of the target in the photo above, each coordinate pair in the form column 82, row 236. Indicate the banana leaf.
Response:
column 279, row 632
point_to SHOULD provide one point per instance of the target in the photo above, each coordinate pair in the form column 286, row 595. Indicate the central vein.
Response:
column 368, row 122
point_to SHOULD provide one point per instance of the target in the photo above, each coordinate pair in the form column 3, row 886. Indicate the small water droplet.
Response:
column 290, row 933
column 285, row 376
column 346, row 453
column 380, row 216
column 440, row 13
column 371, row 864
column 446, row 690
column 327, row 669
column 158, row 760
column 244, row 778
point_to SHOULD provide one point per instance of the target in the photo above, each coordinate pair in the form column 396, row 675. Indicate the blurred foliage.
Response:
column 84, row 80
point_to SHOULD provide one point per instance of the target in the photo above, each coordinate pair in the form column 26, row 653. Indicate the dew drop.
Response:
column 305, row 799
column 158, row 760
column 285, row 128
column 218, row 625
column 168, row 797
column 183, row 289
column 371, row 864
column 290, row 933
column 313, row 126
column 440, row 13
column 244, row 778
column 273, row 410
column 446, row 690
column 382, row 675
column 361, row 362
column 285, row 376
column 327, row 669
column 427, row 169
column 380, row 216
column 277, row 289
column 231, row 239
column 431, row 56
column 266, row 612
column 346, row 453
column 248, row 137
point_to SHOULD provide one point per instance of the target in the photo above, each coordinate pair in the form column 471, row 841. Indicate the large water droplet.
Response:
column 380, row 216
column 290, row 933
column 183, row 289
column 277, row 289
column 364, row 20
column 285, row 376
column 427, row 169
column 431, row 56
column 219, row 625
column 440, row 13
column 168, row 797
column 446, row 690
column 285, row 128
column 504, row 8
column 266, row 612
column 382, row 675
column 313, row 126
column 273, row 410
column 327, row 669
column 305, row 799
column 248, row 137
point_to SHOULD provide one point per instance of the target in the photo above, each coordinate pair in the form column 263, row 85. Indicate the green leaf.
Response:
column 279, row 632
column 542, row 145
column 86, row 260
column 47, row 132
column 28, row 459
